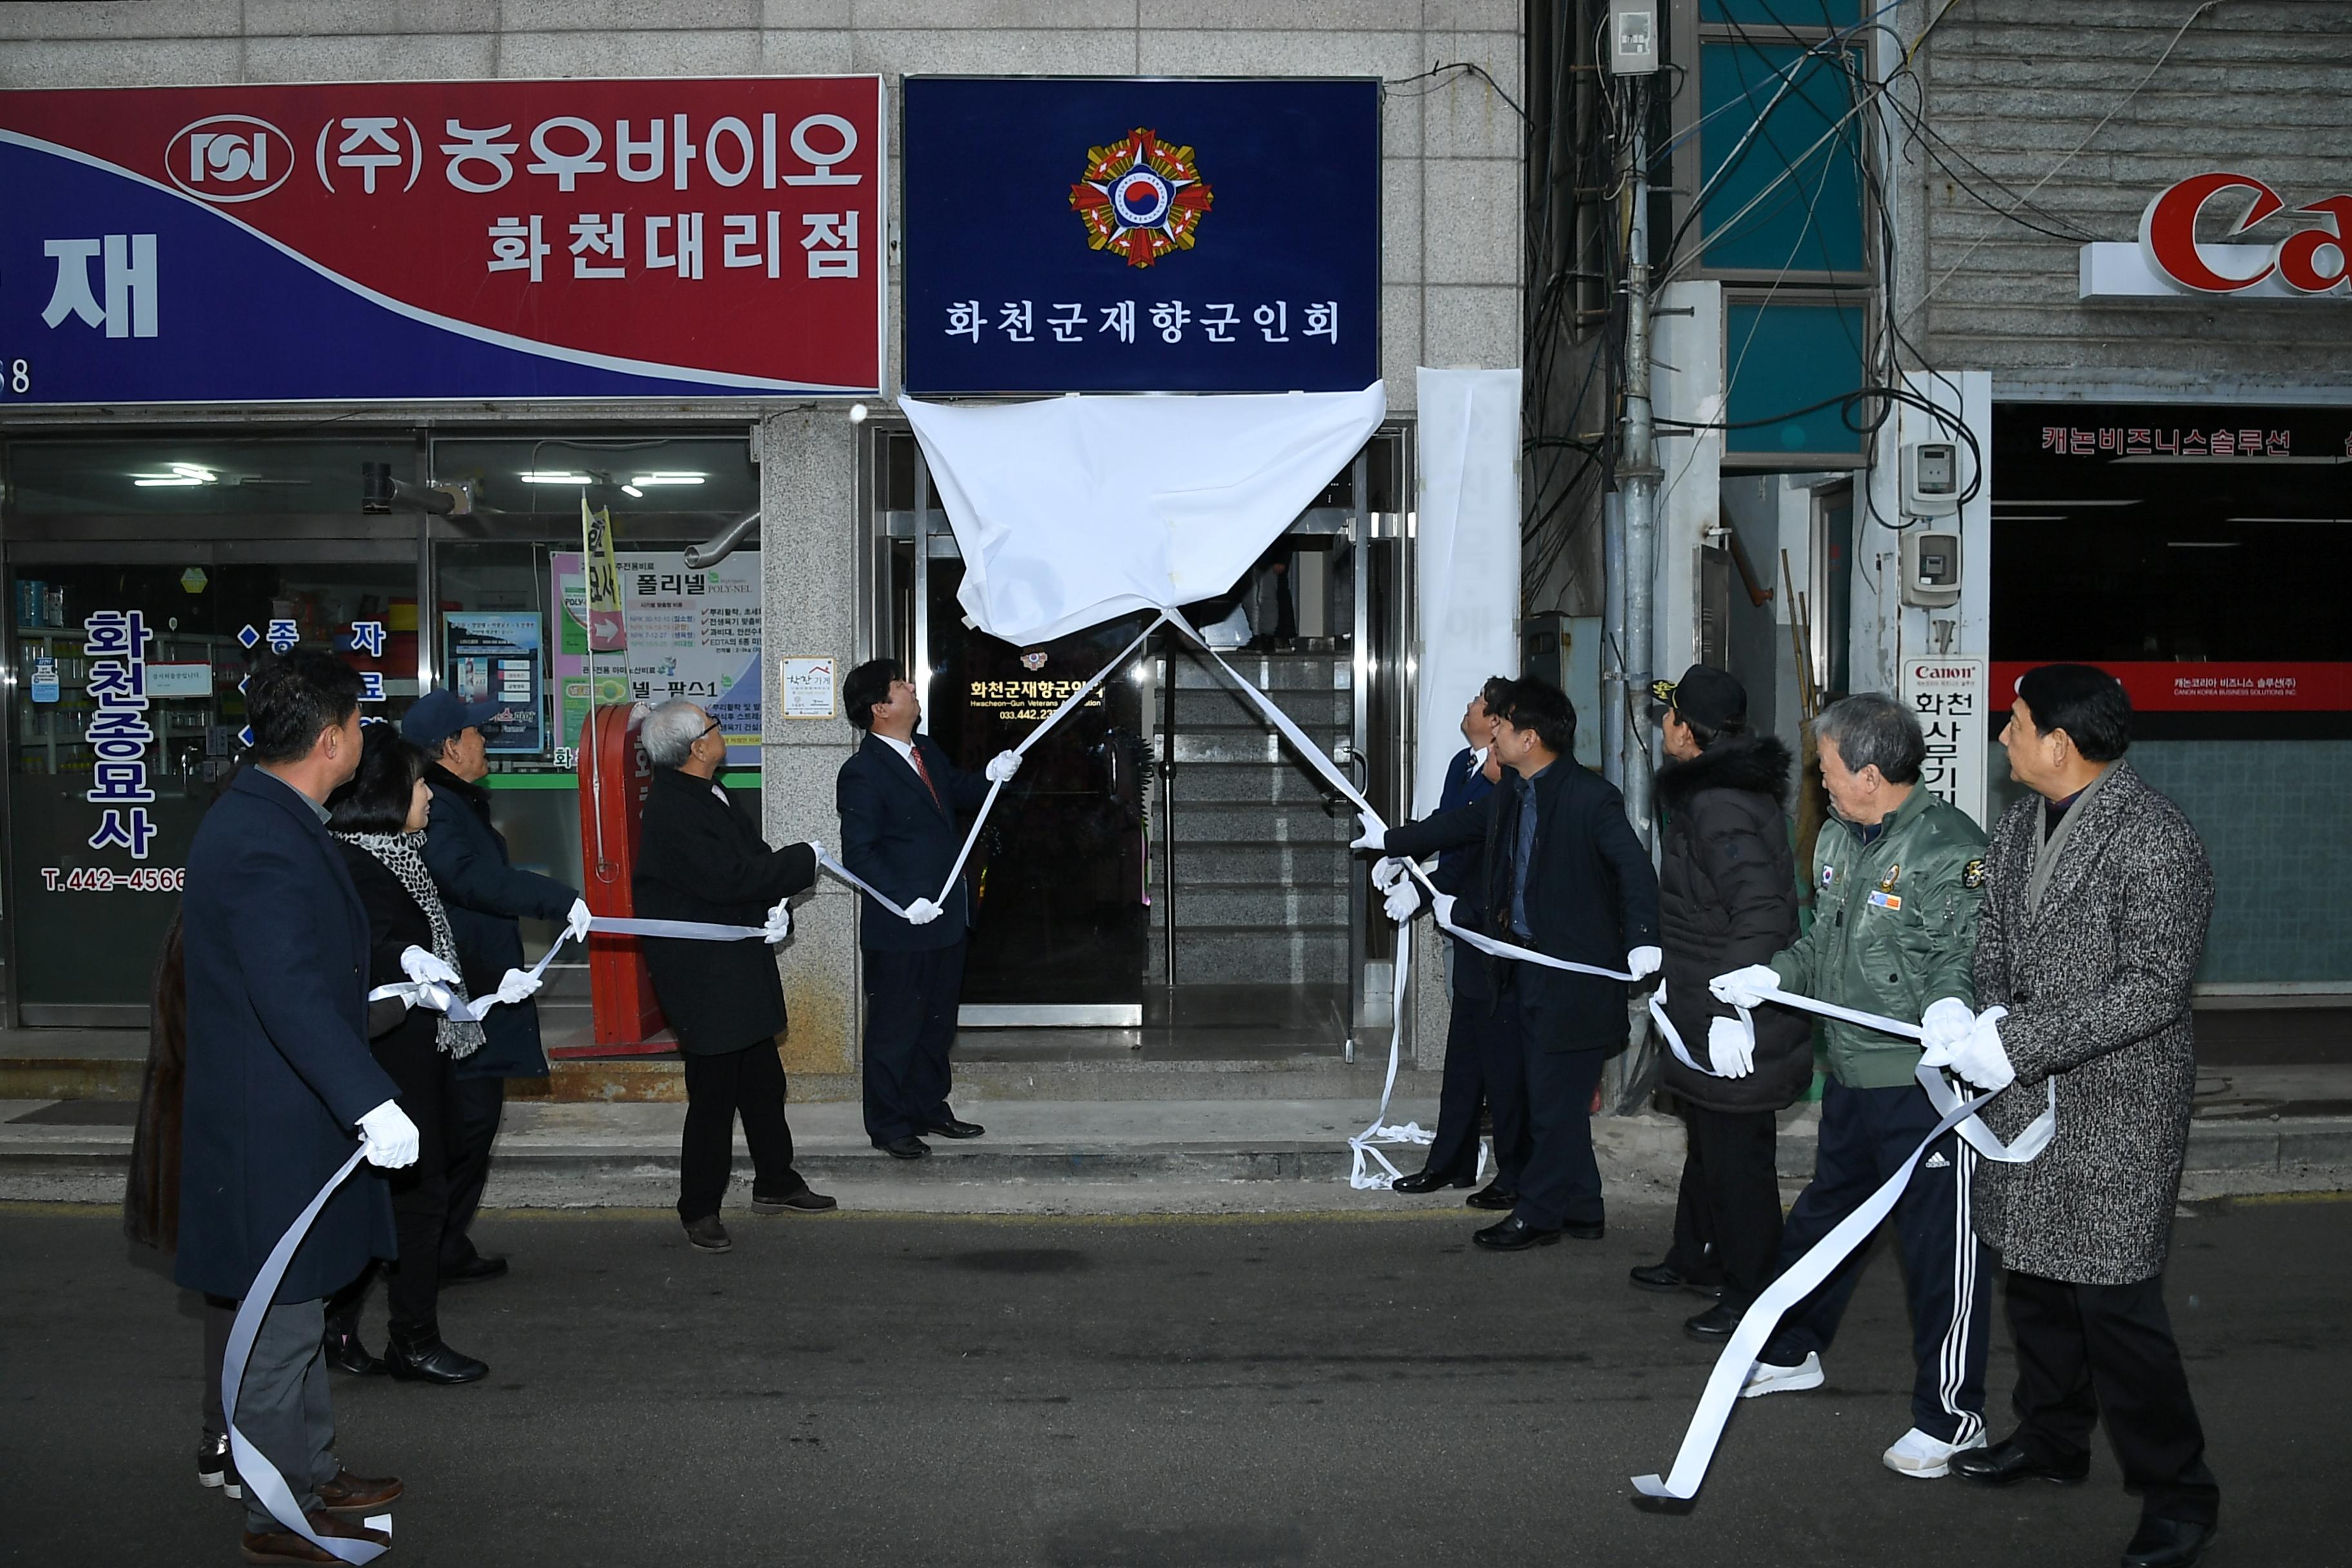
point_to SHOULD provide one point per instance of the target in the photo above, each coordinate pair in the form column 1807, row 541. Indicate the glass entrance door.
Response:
column 1165, row 867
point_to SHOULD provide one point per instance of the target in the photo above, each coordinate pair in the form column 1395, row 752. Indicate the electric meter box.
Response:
column 1931, row 568
column 1931, row 478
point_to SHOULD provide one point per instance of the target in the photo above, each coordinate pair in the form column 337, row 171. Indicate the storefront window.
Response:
column 126, row 720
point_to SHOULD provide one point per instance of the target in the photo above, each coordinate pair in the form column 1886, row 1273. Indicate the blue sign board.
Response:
column 1098, row 235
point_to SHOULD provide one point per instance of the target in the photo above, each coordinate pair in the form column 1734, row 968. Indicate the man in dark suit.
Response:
column 278, row 1075
column 484, row 894
column 898, row 795
column 1482, row 1062
column 1563, row 875
column 699, row 858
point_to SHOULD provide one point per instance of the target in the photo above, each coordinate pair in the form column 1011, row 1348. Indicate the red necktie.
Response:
column 917, row 753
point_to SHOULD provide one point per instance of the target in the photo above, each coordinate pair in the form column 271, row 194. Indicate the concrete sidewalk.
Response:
column 1149, row 1156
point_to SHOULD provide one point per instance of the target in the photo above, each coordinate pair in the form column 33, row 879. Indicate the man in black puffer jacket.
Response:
column 1727, row 897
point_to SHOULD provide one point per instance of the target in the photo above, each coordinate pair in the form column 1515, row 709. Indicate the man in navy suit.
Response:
column 280, row 1084
column 1482, row 1061
column 898, row 795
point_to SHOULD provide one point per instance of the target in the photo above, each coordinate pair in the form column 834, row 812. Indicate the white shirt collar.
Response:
column 904, row 748
column 1478, row 758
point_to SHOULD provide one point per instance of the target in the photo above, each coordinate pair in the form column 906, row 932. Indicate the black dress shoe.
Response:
column 2167, row 1543
column 1429, row 1182
column 2005, row 1464
column 952, row 1128
column 474, row 1270
column 801, row 1202
column 1492, row 1195
column 1713, row 1326
column 1666, row 1276
column 1513, row 1234
column 1585, row 1229
column 425, row 1359
column 345, row 1353
column 908, row 1148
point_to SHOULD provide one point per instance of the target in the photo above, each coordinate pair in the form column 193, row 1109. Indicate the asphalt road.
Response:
column 1180, row 1392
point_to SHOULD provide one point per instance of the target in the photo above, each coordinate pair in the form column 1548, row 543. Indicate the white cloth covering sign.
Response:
column 1467, row 547
column 1076, row 510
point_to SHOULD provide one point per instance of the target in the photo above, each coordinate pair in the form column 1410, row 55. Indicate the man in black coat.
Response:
column 1727, row 898
column 1482, row 1062
column 699, row 859
column 1564, row 876
column 483, row 895
column 898, row 795
column 278, row 1075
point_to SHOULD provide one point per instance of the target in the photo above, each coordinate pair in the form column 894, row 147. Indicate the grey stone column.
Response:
column 808, row 559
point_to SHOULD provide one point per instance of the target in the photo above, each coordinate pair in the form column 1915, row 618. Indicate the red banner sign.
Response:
column 2240, row 688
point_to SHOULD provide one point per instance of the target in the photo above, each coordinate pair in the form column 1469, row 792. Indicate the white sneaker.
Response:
column 1765, row 1377
column 1917, row 1454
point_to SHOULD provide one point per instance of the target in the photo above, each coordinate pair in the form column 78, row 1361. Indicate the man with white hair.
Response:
column 699, row 859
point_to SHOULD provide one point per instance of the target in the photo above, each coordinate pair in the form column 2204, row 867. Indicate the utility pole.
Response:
column 1640, row 474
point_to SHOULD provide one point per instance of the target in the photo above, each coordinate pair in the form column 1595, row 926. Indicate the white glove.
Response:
column 422, row 966
column 1981, row 1058
column 1376, row 833
column 575, row 924
column 780, row 921
column 1002, row 766
column 1443, row 906
column 1386, row 871
column 1941, row 1028
column 922, row 912
column 1643, row 961
column 1744, row 987
column 1403, row 901
column 518, row 986
column 1730, row 1048
column 387, row 1136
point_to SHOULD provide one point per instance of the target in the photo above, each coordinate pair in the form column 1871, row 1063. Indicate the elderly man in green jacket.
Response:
column 1898, row 879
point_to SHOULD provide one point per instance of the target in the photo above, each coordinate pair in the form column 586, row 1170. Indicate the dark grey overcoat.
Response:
column 2095, row 978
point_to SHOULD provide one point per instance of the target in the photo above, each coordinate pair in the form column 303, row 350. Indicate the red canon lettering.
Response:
column 2299, row 253
column 2167, row 230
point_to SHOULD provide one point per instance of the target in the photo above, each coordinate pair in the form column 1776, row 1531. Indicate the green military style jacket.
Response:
column 1895, row 928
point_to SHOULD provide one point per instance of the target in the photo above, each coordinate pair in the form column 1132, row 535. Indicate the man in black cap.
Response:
column 484, row 894
column 1727, row 897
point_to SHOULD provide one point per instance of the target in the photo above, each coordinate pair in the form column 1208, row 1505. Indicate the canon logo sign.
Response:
column 2309, row 260
column 226, row 158
column 2303, row 263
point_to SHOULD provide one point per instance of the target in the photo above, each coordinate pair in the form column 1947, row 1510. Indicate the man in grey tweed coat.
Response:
column 2096, row 901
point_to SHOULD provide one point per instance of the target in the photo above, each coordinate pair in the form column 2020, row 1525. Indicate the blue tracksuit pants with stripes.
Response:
column 1866, row 1133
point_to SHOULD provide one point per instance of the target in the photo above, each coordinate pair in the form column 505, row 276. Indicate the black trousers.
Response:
column 1866, row 1134
column 910, row 1022
column 720, row 1087
column 1728, row 1217
column 420, row 1192
column 475, row 1106
column 2088, row 1351
column 1481, row 1066
column 1560, row 1182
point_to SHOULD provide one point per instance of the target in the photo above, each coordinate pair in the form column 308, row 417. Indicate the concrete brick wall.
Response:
column 1450, row 211
column 2017, row 85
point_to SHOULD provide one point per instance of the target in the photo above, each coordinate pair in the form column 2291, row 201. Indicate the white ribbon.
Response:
column 1823, row 1260
column 260, row 1477
column 439, row 998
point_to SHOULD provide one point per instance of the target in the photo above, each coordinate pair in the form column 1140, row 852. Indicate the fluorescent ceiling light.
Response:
column 633, row 490
column 2033, row 517
column 666, row 480
column 179, row 475
column 2285, row 519
column 2205, row 543
column 2067, row 500
column 558, row 480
